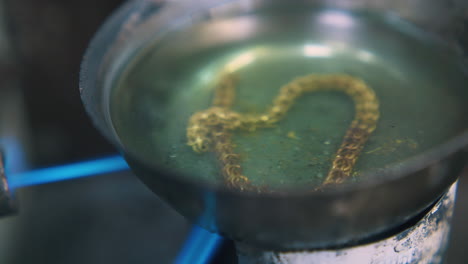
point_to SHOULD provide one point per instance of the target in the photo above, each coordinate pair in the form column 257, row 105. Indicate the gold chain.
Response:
column 211, row 129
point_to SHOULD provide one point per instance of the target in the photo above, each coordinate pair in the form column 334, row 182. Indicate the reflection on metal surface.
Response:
column 336, row 18
column 6, row 200
column 241, row 61
column 210, row 130
column 365, row 56
column 314, row 50
column 423, row 243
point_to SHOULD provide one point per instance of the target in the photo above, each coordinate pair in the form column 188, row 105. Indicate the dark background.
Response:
column 48, row 39
column 108, row 219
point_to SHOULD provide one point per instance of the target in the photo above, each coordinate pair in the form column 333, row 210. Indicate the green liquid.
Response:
column 418, row 81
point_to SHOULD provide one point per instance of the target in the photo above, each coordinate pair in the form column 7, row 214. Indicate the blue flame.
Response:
column 200, row 245
column 199, row 248
column 67, row 172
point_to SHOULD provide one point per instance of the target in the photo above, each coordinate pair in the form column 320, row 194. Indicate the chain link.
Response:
column 211, row 129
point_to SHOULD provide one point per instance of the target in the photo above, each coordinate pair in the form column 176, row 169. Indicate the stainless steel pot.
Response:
column 286, row 221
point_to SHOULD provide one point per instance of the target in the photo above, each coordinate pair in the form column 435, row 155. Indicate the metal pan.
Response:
column 335, row 217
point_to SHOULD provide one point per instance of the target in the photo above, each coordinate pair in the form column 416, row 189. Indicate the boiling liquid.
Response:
column 418, row 82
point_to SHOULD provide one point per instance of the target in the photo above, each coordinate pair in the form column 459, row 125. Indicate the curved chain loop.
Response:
column 211, row 129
